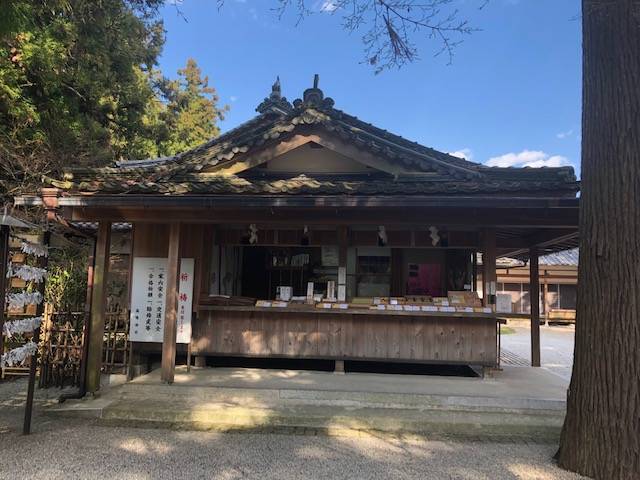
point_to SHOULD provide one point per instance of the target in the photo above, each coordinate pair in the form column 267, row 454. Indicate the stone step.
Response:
column 205, row 416
column 247, row 397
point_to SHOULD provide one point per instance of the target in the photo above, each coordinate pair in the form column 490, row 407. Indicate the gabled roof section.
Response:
column 281, row 126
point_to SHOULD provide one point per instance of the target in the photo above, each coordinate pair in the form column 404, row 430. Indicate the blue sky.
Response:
column 511, row 97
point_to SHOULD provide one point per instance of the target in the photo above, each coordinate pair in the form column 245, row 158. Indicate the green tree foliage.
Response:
column 78, row 87
column 183, row 113
column 66, row 284
column 192, row 113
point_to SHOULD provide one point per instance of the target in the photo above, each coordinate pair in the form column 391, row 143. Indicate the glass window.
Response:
column 373, row 272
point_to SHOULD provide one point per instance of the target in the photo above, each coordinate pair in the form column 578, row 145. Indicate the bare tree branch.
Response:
column 390, row 28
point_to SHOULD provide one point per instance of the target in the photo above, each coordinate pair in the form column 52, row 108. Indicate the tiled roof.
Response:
column 564, row 257
column 567, row 258
column 431, row 171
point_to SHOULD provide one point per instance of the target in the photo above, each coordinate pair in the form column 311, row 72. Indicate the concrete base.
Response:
column 250, row 399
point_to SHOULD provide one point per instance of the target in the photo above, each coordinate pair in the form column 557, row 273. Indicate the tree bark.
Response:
column 601, row 433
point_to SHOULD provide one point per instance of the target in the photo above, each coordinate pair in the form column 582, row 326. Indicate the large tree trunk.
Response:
column 601, row 434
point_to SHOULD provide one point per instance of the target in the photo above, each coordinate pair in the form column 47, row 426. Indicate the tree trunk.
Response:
column 601, row 433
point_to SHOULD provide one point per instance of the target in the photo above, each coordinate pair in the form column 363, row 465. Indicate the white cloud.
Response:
column 328, row 6
column 566, row 134
column 233, row 98
column 465, row 153
column 528, row 158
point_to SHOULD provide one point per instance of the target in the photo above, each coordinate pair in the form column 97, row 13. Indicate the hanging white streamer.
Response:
column 34, row 249
column 22, row 325
column 19, row 300
column 27, row 273
column 17, row 356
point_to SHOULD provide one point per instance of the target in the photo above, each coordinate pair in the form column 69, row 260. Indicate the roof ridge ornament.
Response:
column 314, row 97
column 275, row 102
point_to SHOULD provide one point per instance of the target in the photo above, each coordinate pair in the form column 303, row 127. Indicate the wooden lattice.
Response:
column 116, row 342
column 61, row 348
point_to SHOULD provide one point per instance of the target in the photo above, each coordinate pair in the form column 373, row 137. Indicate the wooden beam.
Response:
column 534, row 297
column 542, row 239
column 322, row 214
column 489, row 276
column 98, row 305
column 171, row 305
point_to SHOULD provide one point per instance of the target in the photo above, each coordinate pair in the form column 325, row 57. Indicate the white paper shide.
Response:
column 148, row 292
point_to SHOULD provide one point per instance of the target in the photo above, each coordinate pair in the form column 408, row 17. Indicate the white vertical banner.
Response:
column 185, row 301
column 148, row 289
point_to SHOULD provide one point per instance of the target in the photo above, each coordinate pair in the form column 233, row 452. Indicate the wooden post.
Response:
column 545, row 298
column 171, row 306
column 534, row 297
column 489, row 276
column 33, row 361
column 4, row 260
column 98, row 305
column 87, row 322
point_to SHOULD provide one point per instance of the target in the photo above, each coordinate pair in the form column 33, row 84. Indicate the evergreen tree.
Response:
column 78, row 87
column 192, row 113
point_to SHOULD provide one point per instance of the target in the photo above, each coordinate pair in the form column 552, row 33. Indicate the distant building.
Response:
column 558, row 282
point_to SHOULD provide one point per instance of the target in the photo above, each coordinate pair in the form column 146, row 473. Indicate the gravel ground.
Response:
column 70, row 449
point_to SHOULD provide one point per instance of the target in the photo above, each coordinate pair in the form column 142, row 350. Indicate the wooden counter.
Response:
column 351, row 334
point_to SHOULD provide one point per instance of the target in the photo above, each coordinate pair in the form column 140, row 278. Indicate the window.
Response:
column 373, row 272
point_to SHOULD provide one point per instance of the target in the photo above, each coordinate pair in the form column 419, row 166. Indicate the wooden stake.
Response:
column 33, row 362
column 4, row 259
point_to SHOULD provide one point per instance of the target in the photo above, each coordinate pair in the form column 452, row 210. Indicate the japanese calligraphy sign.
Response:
column 149, row 286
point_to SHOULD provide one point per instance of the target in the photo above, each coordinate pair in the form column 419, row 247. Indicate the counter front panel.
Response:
column 348, row 334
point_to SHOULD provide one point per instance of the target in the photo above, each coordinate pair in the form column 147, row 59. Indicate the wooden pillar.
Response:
column 534, row 297
column 4, row 260
column 171, row 306
column 98, row 305
column 489, row 276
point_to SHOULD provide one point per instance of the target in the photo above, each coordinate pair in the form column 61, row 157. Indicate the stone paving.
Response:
column 556, row 349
